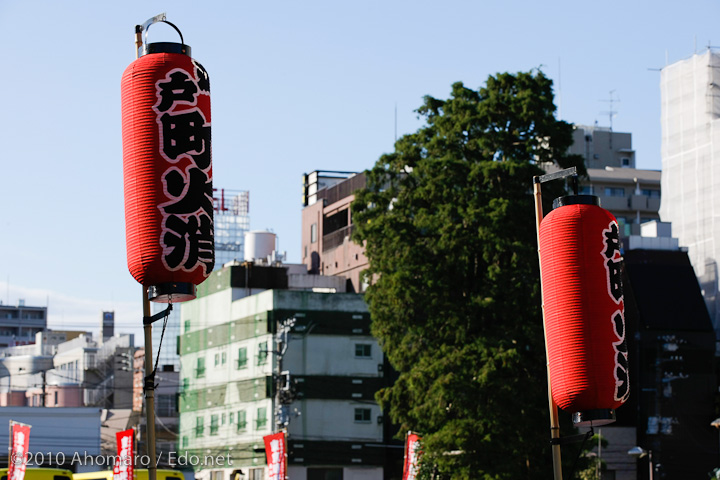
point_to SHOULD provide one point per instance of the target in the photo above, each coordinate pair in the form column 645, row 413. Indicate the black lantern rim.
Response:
column 167, row 47
column 172, row 292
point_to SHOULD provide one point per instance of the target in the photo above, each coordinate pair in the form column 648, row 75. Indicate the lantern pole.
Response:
column 149, row 381
column 149, row 388
column 554, row 418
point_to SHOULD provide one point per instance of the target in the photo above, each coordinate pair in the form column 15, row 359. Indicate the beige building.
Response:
column 327, row 226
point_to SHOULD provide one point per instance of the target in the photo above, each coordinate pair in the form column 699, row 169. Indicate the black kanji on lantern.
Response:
column 184, row 133
column 622, row 386
column 190, row 241
column 187, row 235
column 612, row 241
column 179, row 88
column 614, row 262
column 189, row 191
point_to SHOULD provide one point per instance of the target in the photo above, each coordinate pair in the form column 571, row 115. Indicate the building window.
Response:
column 362, row 415
column 187, row 326
column 231, row 417
column 184, row 442
column 257, row 474
column 614, row 192
column 648, row 192
column 262, row 353
column 200, row 370
column 242, row 358
column 199, row 427
column 313, row 233
column 220, row 358
column 585, row 190
column 214, row 424
column 166, row 405
column 261, row 418
column 241, row 421
column 625, row 161
column 325, row 473
column 363, row 350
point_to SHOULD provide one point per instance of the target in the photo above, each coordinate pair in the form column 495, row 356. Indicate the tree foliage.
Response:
column 447, row 221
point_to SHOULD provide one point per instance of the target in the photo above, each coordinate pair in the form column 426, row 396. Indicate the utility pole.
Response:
column 44, row 385
column 283, row 387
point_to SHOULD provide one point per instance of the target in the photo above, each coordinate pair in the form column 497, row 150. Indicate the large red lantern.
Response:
column 580, row 261
column 167, row 171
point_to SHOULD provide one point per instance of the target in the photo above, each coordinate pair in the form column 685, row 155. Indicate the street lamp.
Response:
column 639, row 452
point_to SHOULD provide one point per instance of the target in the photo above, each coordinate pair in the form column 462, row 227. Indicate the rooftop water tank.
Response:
column 259, row 245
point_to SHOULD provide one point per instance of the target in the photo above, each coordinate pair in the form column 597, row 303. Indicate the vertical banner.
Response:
column 276, row 452
column 412, row 456
column 19, row 443
column 123, row 469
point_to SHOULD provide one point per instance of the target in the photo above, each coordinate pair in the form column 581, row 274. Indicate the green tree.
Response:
column 447, row 221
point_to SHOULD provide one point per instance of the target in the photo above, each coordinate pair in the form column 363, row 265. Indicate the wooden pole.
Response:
column 554, row 419
column 149, row 389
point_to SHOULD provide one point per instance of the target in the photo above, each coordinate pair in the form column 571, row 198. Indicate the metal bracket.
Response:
column 572, row 438
column 158, row 316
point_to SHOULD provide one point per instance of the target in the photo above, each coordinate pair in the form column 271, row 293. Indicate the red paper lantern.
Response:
column 167, row 171
column 580, row 262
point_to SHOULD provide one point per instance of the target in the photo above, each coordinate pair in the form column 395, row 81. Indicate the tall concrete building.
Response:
column 263, row 350
column 690, row 96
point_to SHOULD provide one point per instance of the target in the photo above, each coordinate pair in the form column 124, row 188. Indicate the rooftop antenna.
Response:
column 611, row 113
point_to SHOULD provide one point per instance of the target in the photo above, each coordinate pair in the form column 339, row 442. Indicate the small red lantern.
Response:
column 580, row 262
column 167, row 171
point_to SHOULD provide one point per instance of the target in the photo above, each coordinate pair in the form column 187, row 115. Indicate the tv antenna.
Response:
column 611, row 113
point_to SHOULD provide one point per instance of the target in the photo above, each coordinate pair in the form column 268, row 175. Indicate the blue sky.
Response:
column 296, row 86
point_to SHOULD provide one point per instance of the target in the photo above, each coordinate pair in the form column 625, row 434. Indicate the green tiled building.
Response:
column 259, row 352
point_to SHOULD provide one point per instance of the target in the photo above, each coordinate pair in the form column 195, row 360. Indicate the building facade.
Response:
column 602, row 147
column 327, row 225
column 20, row 323
column 263, row 353
column 690, row 102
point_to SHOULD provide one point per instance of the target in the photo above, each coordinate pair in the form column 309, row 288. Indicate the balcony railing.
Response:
column 336, row 238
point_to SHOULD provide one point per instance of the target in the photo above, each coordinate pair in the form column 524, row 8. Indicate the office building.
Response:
column 262, row 350
column 690, row 97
